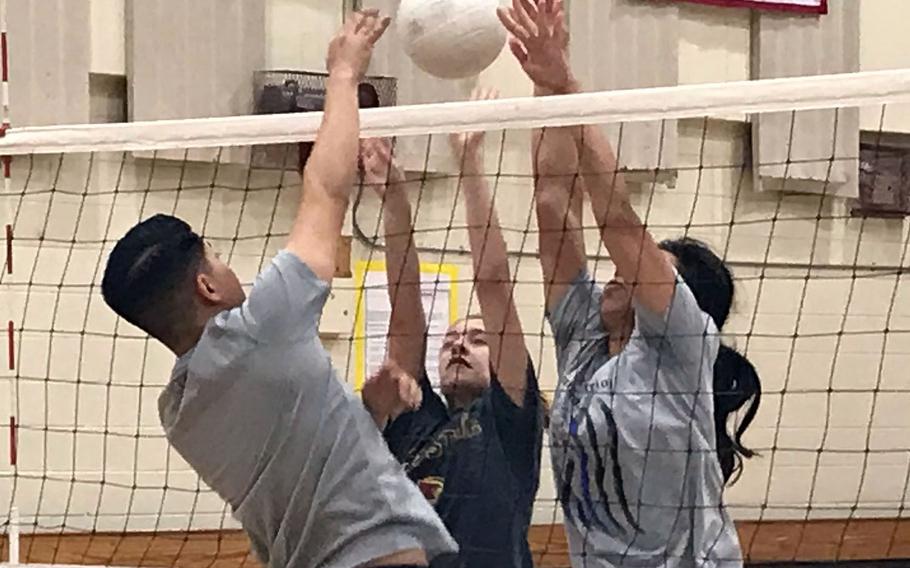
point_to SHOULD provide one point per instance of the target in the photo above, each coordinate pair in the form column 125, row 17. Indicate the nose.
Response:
column 458, row 347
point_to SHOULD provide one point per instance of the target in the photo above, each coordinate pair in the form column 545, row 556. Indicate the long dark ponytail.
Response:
column 736, row 382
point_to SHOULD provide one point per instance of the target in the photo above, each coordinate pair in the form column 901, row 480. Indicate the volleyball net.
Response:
column 801, row 185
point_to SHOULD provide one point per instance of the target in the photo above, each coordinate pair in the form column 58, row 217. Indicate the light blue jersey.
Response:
column 632, row 436
column 257, row 410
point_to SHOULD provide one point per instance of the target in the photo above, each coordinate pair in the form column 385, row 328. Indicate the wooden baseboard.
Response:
column 779, row 541
column 826, row 540
column 769, row 541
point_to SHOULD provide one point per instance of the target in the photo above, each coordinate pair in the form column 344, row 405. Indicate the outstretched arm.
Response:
column 558, row 187
column 558, row 192
column 539, row 41
column 331, row 169
column 407, row 327
column 492, row 276
column 634, row 251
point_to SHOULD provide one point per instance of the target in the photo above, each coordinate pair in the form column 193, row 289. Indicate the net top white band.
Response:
column 636, row 105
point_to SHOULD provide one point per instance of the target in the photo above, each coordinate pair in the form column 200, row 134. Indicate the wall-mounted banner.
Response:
column 804, row 6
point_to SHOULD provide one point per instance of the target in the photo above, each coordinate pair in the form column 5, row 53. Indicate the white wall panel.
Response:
column 627, row 44
column 793, row 151
column 50, row 53
column 193, row 59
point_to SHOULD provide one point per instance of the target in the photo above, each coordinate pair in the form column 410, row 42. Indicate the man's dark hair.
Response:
column 149, row 276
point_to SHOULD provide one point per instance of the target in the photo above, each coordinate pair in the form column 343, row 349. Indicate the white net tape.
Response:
column 635, row 105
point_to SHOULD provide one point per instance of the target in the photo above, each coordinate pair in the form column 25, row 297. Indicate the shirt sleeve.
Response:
column 577, row 328
column 409, row 430
column 285, row 303
column 686, row 331
column 520, row 428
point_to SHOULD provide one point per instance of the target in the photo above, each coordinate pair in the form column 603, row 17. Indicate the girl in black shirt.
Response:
column 476, row 455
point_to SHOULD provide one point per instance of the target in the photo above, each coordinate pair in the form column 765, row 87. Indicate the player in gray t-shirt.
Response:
column 253, row 403
column 639, row 439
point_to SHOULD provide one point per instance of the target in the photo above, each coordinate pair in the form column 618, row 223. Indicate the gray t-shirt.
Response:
column 257, row 411
column 632, row 436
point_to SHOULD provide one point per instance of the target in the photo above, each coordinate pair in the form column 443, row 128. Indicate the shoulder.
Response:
column 497, row 393
column 510, row 418
column 682, row 321
column 580, row 296
column 228, row 338
column 284, row 303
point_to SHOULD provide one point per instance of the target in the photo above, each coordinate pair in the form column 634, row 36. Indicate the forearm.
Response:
column 407, row 325
column 327, row 181
column 402, row 260
column 599, row 174
column 605, row 185
column 558, row 193
column 333, row 164
column 634, row 251
column 555, row 159
column 494, row 285
column 488, row 246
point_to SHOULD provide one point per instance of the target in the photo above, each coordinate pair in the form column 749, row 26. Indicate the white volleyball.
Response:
column 451, row 39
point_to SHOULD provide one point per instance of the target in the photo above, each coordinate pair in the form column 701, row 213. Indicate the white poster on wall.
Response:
column 438, row 296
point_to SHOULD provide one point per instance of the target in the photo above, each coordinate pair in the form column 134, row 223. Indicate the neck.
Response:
column 189, row 340
column 620, row 334
column 188, row 336
column 461, row 399
column 617, row 344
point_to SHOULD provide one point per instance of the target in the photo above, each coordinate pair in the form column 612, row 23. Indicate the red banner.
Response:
column 803, row 6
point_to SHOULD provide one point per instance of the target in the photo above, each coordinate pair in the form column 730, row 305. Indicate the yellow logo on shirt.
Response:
column 431, row 487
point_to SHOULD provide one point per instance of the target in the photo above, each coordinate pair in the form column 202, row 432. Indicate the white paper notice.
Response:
column 377, row 311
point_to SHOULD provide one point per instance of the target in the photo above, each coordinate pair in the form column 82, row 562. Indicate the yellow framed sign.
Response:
column 373, row 310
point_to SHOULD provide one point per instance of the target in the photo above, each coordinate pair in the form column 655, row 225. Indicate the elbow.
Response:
column 329, row 184
column 325, row 191
column 556, row 165
column 493, row 273
column 554, row 152
column 550, row 197
column 553, row 208
column 620, row 215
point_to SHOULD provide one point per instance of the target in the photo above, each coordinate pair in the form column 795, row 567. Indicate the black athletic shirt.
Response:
column 479, row 467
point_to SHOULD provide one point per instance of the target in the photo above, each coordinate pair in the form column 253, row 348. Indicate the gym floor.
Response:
column 844, row 564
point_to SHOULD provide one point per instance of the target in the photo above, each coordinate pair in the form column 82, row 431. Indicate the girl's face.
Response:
column 464, row 360
column 616, row 308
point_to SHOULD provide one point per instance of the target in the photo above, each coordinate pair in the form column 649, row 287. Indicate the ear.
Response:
column 207, row 289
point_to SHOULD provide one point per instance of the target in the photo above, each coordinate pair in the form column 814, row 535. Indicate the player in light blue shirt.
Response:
column 254, row 404
column 640, row 444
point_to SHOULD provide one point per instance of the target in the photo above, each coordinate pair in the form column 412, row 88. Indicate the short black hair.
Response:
column 149, row 274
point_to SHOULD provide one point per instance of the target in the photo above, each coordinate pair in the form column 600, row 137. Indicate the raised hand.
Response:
column 380, row 171
column 540, row 42
column 390, row 393
column 467, row 147
column 351, row 49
